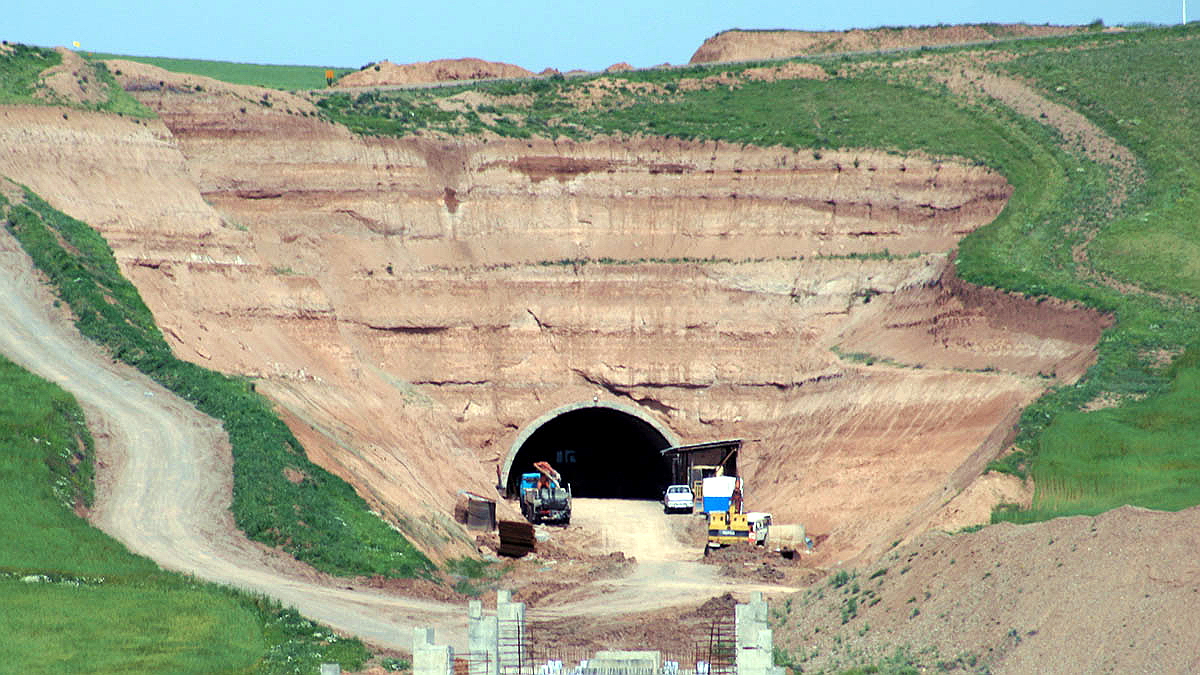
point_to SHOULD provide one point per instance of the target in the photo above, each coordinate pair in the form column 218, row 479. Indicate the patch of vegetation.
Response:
column 20, row 73
column 320, row 519
column 473, row 576
column 19, row 70
column 396, row 665
column 273, row 77
column 76, row 600
column 119, row 101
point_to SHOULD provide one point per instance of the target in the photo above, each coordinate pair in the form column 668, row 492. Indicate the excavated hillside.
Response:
column 386, row 73
column 757, row 45
column 417, row 306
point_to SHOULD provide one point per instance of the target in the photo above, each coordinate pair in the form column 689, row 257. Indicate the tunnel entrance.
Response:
column 601, row 451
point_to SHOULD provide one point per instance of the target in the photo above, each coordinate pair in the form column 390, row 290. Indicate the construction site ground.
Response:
column 645, row 574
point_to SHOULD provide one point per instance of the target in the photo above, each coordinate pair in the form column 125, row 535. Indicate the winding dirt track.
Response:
column 164, row 488
column 164, row 475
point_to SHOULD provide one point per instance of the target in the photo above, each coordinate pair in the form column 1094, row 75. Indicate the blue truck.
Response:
column 544, row 497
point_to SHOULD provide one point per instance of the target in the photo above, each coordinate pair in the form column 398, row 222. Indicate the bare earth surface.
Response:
column 1118, row 593
column 386, row 73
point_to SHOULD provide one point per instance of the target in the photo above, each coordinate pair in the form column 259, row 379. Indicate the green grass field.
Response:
column 1147, row 451
column 273, row 77
column 76, row 601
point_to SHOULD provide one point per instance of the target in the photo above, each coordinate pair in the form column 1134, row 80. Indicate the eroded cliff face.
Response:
column 413, row 304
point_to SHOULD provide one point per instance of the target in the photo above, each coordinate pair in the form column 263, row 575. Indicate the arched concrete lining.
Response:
column 533, row 426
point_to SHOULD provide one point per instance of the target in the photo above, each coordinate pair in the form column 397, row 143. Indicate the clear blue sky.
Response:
column 530, row 33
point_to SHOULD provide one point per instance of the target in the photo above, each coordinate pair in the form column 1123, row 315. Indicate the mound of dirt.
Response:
column 386, row 73
column 1082, row 594
column 752, row 45
column 618, row 68
column 677, row 632
column 751, row 563
column 73, row 81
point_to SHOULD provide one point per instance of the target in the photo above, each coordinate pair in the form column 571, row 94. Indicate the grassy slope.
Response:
column 1147, row 451
column 273, row 77
column 1135, row 85
column 76, row 601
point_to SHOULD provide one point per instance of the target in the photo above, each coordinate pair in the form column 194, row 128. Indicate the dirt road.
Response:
column 637, row 528
column 164, row 488
column 668, row 571
column 164, row 484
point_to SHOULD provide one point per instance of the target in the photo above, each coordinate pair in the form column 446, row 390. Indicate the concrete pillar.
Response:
column 510, row 618
column 428, row 658
column 749, row 618
column 331, row 669
column 755, row 642
column 483, row 640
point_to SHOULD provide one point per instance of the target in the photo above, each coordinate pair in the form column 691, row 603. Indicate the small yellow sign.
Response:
column 76, row 43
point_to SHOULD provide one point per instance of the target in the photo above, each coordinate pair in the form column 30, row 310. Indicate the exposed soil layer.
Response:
column 413, row 305
column 756, row 45
column 1112, row 593
column 386, row 73
column 72, row 81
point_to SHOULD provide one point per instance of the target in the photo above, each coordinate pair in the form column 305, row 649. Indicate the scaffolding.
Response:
column 523, row 649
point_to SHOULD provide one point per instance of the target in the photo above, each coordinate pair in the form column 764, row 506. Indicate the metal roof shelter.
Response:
column 713, row 454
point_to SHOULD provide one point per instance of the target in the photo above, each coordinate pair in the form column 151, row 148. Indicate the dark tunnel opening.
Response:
column 600, row 452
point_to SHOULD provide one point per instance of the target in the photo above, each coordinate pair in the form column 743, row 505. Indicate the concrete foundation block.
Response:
column 428, row 658
column 510, row 629
column 755, row 641
column 629, row 661
column 483, row 640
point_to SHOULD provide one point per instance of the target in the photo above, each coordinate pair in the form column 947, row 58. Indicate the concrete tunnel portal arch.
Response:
column 602, row 449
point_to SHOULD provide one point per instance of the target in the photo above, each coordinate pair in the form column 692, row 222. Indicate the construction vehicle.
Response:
column 728, row 525
column 544, row 497
column 730, row 528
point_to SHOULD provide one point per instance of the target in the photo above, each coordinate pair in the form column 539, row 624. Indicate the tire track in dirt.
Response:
column 165, row 475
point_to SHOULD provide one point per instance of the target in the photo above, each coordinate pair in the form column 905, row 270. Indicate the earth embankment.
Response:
column 414, row 304
column 385, row 73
